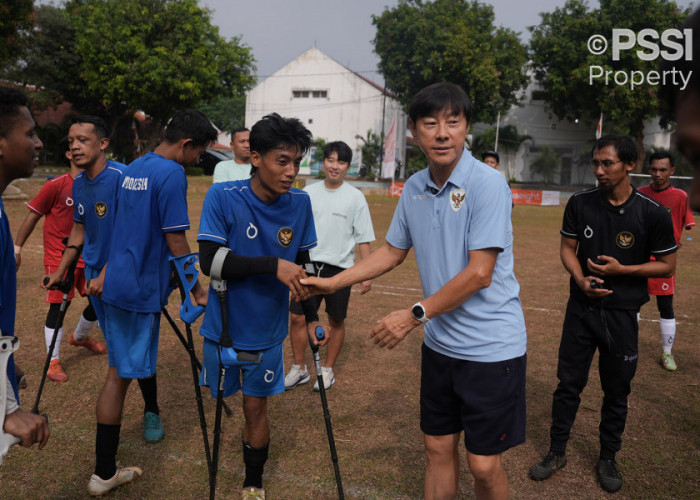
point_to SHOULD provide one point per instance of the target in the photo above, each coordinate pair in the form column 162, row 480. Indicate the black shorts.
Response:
column 485, row 400
column 336, row 303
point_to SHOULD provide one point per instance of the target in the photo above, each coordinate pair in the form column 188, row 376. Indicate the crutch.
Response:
column 227, row 357
column 65, row 285
column 8, row 345
column 320, row 335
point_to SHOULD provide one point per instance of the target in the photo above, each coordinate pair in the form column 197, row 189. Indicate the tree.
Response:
column 371, row 149
column 562, row 62
column 15, row 18
column 227, row 113
column 155, row 55
column 420, row 43
column 546, row 164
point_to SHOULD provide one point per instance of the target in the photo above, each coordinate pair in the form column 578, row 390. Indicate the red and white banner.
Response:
column 599, row 127
column 395, row 189
column 389, row 161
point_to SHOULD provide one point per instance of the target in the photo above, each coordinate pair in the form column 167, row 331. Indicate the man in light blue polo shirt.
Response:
column 456, row 216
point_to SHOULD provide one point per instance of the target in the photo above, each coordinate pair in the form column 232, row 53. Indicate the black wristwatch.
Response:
column 418, row 313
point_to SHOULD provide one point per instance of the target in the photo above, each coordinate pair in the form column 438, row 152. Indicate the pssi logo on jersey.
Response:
column 457, row 199
column 285, row 236
column 100, row 209
column 625, row 239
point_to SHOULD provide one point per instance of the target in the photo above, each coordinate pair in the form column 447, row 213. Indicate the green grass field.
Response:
column 374, row 403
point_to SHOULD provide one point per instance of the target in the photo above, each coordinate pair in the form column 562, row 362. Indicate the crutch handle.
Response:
column 320, row 333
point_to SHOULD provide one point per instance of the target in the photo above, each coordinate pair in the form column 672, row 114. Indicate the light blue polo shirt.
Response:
column 470, row 212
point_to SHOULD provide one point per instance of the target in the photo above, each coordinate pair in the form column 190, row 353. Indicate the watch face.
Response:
column 417, row 312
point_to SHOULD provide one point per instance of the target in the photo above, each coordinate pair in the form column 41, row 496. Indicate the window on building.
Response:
column 305, row 94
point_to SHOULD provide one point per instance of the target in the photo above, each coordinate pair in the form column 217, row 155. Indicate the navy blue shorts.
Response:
column 485, row 400
column 336, row 302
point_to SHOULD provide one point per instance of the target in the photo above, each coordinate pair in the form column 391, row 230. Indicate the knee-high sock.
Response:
column 106, row 445
column 149, row 391
column 82, row 330
column 48, row 335
column 668, row 334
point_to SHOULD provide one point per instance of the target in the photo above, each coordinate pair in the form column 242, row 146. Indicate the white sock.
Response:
column 668, row 334
column 83, row 329
column 48, row 335
column 639, row 316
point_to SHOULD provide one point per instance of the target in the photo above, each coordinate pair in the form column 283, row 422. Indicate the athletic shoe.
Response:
column 547, row 466
column 608, row 476
column 98, row 486
column 90, row 344
column 328, row 379
column 56, row 372
column 668, row 362
column 152, row 427
column 295, row 377
column 252, row 493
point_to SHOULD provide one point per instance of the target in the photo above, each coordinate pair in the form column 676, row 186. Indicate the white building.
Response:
column 571, row 140
column 333, row 102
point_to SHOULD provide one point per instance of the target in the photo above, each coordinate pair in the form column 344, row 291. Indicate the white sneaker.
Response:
column 98, row 486
column 328, row 379
column 297, row 375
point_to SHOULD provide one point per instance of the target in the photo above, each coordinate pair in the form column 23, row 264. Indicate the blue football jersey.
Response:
column 152, row 201
column 235, row 217
column 95, row 205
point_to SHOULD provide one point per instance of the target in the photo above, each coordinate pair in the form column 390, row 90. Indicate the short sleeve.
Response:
column 309, row 239
column 219, row 173
column 489, row 221
column 569, row 226
column 661, row 238
column 398, row 235
column 363, row 232
column 688, row 220
column 78, row 207
column 172, row 202
column 42, row 202
column 213, row 225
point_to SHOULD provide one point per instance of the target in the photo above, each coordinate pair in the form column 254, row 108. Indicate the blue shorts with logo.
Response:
column 258, row 380
column 132, row 341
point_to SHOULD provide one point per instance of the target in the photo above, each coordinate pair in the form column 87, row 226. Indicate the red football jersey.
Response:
column 55, row 202
column 676, row 202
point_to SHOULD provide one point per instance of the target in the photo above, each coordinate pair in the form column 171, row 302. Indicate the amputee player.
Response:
column 268, row 227
column 149, row 226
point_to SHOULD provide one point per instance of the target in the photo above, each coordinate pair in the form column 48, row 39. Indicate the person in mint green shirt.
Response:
column 237, row 169
column 342, row 220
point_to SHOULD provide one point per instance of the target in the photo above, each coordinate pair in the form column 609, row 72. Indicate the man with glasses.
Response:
column 608, row 236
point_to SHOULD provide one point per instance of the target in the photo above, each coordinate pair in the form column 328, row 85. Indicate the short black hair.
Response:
column 190, row 124
column 274, row 132
column 624, row 145
column 238, row 129
column 11, row 101
column 662, row 154
column 101, row 127
column 490, row 153
column 341, row 149
column 440, row 97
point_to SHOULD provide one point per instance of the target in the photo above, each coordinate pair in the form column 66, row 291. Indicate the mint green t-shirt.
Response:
column 342, row 220
column 229, row 170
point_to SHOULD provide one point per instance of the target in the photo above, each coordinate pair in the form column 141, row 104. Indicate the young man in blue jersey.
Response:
column 149, row 226
column 268, row 227
column 95, row 203
column 456, row 216
column 19, row 155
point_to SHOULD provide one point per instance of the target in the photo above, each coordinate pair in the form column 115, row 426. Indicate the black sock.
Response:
column 254, row 459
column 149, row 391
column 106, row 445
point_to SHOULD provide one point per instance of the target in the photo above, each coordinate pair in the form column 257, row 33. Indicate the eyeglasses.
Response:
column 604, row 163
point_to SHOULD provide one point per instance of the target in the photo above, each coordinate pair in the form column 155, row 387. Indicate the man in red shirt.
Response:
column 661, row 168
column 56, row 203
